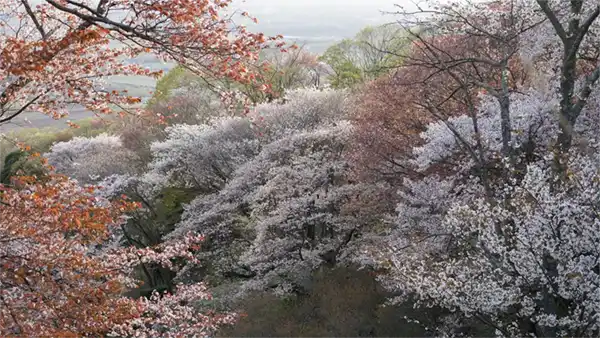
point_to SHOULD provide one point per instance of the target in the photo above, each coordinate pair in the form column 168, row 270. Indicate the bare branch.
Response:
column 34, row 19
column 587, row 24
column 558, row 27
column 21, row 110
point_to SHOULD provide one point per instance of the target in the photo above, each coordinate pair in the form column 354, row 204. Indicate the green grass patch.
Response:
column 41, row 139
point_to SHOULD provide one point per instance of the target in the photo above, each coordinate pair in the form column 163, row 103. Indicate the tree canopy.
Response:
column 374, row 51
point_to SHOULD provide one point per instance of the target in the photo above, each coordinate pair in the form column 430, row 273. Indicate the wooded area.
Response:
column 436, row 176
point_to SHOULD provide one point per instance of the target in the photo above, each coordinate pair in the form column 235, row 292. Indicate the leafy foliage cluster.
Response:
column 373, row 52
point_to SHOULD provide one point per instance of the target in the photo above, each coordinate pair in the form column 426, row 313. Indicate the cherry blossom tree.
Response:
column 192, row 160
column 387, row 126
column 288, row 208
column 300, row 208
column 285, row 212
column 58, row 276
column 302, row 110
column 92, row 159
column 512, row 248
column 522, row 263
column 295, row 69
column 523, row 37
column 574, row 31
column 203, row 156
column 441, row 217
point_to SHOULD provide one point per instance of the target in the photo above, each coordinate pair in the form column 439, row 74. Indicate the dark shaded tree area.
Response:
column 341, row 302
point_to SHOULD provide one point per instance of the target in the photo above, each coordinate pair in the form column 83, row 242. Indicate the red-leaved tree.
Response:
column 56, row 53
column 59, row 277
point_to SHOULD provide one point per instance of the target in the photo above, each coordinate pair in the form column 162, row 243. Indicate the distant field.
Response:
column 38, row 120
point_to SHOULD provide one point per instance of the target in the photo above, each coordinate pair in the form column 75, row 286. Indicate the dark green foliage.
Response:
column 342, row 302
column 170, row 207
column 11, row 164
column 146, row 229
column 19, row 162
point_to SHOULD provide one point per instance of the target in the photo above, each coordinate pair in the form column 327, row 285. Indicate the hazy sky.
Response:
column 348, row 6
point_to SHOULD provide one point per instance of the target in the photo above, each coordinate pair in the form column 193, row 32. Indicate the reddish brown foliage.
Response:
column 435, row 83
column 53, row 54
column 54, row 280
column 387, row 127
column 48, row 283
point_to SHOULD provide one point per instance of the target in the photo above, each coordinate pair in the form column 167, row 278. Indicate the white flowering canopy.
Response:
column 511, row 238
column 92, row 159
